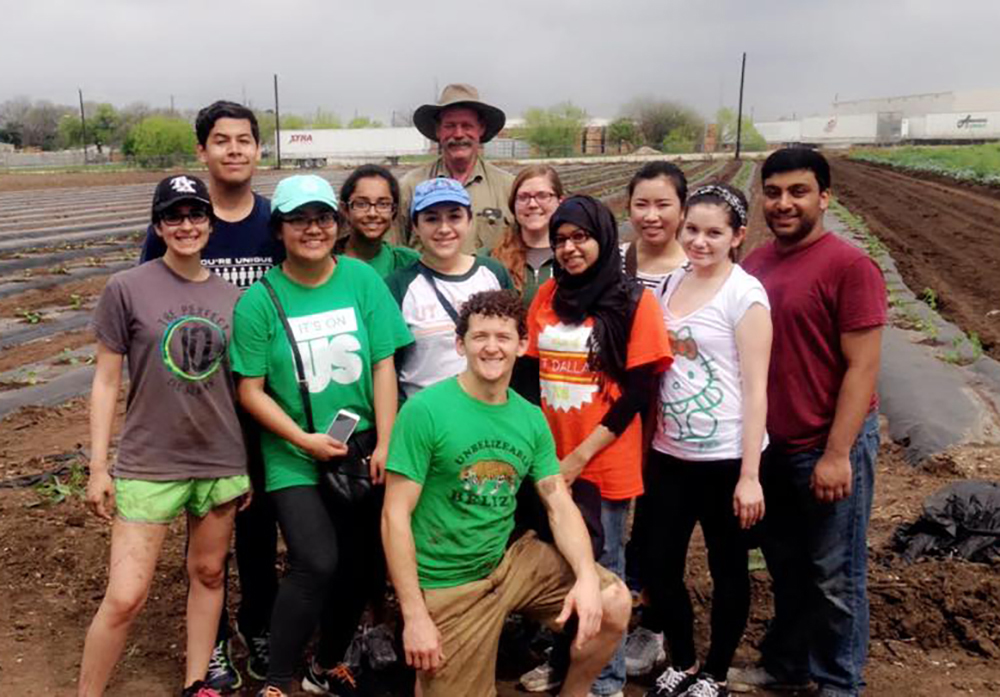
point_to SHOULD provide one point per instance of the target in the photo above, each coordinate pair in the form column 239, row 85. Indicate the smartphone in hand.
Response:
column 343, row 425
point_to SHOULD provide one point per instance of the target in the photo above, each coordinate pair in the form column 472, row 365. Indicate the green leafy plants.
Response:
column 930, row 296
column 29, row 316
column 975, row 163
column 58, row 489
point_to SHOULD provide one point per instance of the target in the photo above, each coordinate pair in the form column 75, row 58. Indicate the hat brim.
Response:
column 425, row 118
column 192, row 198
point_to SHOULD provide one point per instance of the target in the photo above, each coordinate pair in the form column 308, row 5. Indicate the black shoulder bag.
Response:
column 445, row 303
column 347, row 479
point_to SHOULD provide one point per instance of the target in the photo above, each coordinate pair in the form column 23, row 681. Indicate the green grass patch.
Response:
column 975, row 163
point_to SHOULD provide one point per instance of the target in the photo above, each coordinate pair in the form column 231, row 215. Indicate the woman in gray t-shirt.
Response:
column 181, row 448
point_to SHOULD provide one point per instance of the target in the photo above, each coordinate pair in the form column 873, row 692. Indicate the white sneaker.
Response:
column 540, row 679
column 643, row 652
column 757, row 677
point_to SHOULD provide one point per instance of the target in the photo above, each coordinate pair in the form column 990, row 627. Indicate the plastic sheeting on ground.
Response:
column 961, row 520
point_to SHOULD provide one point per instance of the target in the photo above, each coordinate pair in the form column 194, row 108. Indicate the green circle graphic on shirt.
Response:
column 193, row 348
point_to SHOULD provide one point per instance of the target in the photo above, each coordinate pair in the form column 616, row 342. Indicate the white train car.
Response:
column 319, row 147
column 960, row 126
column 780, row 132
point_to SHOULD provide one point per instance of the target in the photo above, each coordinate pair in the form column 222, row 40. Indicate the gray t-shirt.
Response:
column 180, row 422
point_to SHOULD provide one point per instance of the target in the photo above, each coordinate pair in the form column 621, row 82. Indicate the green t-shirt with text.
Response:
column 471, row 458
column 342, row 328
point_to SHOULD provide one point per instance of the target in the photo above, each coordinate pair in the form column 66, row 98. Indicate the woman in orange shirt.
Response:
column 600, row 342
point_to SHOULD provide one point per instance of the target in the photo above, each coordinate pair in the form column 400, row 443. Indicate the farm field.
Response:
column 935, row 624
column 971, row 163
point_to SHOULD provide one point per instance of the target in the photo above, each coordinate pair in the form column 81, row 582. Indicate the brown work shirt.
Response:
column 489, row 189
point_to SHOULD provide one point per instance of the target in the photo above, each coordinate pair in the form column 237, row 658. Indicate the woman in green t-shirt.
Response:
column 370, row 197
column 346, row 328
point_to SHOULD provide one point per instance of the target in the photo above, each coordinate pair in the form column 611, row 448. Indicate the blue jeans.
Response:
column 817, row 554
column 613, row 518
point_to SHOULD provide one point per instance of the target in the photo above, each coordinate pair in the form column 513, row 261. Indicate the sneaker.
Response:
column 643, row 652
column 222, row 675
column 259, row 652
column 705, row 686
column 757, row 677
column 541, row 679
column 199, row 689
column 672, row 683
column 270, row 691
column 339, row 681
column 380, row 647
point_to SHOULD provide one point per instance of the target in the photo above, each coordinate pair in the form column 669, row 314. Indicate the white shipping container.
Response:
column 778, row 132
column 352, row 143
column 976, row 125
column 840, row 130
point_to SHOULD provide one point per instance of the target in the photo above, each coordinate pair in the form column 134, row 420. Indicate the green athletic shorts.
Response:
column 141, row 501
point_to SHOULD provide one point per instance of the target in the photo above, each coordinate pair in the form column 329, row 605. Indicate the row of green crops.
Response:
column 975, row 163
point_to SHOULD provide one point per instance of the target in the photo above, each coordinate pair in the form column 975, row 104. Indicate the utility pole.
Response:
column 83, row 126
column 172, row 112
column 739, row 114
column 277, row 122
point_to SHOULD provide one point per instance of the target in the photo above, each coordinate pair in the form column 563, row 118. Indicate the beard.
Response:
column 805, row 225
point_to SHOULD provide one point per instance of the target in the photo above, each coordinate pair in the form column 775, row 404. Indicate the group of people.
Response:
column 477, row 330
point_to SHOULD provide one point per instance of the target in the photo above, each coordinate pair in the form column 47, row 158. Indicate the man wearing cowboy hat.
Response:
column 460, row 123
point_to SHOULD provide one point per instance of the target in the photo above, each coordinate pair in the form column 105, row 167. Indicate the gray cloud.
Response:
column 373, row 57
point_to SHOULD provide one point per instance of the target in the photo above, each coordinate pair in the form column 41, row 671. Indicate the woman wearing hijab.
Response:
column 601, row 343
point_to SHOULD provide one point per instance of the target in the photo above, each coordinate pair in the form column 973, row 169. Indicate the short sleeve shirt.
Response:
column 470, row 470
column 238, row 252
column 700, row 415
column 489, row 190
column 816, row 294
column 342, row 328
column 433, row 356
column 572, row 400
column 389, row 259
column 180, row 420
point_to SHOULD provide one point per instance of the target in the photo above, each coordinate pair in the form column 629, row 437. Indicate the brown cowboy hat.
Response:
column 426, row 117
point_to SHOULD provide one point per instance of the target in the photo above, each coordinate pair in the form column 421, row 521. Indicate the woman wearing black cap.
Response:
column 600, row 341
column 182, row 448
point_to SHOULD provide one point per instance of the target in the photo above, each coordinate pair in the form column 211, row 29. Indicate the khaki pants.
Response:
column 533, row 578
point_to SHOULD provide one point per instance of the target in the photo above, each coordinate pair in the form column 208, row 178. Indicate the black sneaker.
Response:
column 705, row 686
column 672, row 683
column 258, row 653
column 222, row 675
column 339, row 681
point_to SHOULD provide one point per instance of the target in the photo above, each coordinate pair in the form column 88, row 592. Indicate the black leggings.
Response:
column 335, row 558
column 679, row 494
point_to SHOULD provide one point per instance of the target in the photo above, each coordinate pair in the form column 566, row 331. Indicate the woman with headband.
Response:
column 703, row 466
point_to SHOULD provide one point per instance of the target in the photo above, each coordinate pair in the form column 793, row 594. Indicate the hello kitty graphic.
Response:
column 691, row 418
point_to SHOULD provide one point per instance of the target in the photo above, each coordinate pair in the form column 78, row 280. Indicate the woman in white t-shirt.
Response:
column 656, row 198
column 703, row 466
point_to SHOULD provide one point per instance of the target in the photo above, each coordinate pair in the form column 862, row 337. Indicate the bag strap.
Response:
column 299, row 365
column 445, row 303
column 632, row 259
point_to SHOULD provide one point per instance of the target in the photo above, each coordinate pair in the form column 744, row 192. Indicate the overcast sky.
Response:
column 370, row 57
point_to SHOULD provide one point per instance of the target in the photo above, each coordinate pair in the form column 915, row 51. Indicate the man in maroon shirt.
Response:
column 828, row 306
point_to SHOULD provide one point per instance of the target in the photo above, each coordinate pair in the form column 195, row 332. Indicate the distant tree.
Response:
column 161, row 141
column 36, row 122
column 325, row 120
column 402, row 118
column 750, row 138
column 623, row 131
column 364, row 122
column 292, row 122
column 103, row 127
column 556, row 130
column 265, row 121
column 656, row 119
column 682, row 139
column 11, row 133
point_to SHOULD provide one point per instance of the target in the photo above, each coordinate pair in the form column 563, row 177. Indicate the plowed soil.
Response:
column 942, row 235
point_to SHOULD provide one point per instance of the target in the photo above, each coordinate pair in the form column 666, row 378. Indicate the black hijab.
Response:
column 603, row 291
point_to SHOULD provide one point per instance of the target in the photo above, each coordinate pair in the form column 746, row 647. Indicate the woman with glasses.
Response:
column 347, row 329
column 524, row 250
column 601, row 344
column 370, row 197
column 182, row 447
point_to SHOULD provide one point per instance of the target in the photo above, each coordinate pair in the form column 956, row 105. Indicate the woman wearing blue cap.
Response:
column 344, row 330
column 431, row 292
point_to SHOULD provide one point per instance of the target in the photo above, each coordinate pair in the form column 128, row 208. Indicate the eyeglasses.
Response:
column 360, row 205
column 540, row 197
column 577, row 237
column 174, row 219
column 301, row 223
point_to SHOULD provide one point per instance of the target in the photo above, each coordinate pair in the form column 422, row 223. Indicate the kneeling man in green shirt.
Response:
column 460, row 450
